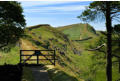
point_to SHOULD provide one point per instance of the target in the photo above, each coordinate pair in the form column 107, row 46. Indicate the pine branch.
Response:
column 97, row 48
column 116, row 56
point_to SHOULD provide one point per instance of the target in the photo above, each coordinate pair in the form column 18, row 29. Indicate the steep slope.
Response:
column 47, row 37
column 78, row 31
column 74, row 62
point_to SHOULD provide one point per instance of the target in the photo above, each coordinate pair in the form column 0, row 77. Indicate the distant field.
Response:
column 78, row 31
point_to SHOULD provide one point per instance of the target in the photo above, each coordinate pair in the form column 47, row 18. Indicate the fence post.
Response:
column 37, row 59
column 20, row 56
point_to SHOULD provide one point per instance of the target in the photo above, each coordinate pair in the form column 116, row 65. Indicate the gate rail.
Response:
column 38, row 53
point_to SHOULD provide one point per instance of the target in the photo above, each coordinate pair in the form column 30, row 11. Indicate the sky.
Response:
column 56, row 13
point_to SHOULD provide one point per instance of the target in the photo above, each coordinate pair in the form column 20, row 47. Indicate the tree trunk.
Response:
column 109, row 47
column 119, row 65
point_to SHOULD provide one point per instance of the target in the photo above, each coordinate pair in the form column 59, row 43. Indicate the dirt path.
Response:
column 40, row 74
column 26, row 45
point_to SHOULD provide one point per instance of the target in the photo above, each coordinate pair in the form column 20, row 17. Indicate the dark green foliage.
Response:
column 11, row 13
column 11, row 22
column 116, row 39
column 97, row 11
column 116, row 30
column 10, row 34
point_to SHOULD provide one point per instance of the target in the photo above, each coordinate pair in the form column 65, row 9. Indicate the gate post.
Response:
column 54, row 57
column 37, row 59
column 20, row 56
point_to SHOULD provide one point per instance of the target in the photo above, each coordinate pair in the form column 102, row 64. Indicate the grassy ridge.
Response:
column 78, row 31
column 72, row 65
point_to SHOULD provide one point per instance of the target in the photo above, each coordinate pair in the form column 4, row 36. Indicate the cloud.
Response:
column 41, row 3
column 53, row 7
column 56, row 9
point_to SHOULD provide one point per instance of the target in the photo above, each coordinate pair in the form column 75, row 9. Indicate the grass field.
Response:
column 78, row 31
column 13, row 58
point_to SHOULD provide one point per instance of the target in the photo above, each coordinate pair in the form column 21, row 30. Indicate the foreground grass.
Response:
column 12, row 58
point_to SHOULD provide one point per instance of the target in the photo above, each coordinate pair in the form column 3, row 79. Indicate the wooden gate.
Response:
column 37, row 57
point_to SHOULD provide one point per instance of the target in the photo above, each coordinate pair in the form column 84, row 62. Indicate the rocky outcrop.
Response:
column 53, row 39
column 62, row 52
column 75, row 51
column 37, row 42
column 40, row 37
column 33, row 34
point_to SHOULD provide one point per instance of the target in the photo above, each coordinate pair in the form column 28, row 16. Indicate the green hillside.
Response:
column 74, row 62
column 70, row 64
column 78, row 31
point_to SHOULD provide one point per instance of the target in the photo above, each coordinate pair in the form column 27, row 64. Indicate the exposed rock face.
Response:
column 52, row 39
column 46, row 44
column 65, row 47
column 37, row 42
column 62, row 52
column 76, row 51
column 33, row 34
column 40, row 37
column 66, row 38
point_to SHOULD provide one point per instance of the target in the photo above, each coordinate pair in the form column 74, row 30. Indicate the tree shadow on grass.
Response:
column 60, row 76
column 10, row 72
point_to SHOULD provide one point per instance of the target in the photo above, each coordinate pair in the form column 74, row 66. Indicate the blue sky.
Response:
column 56, row 13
